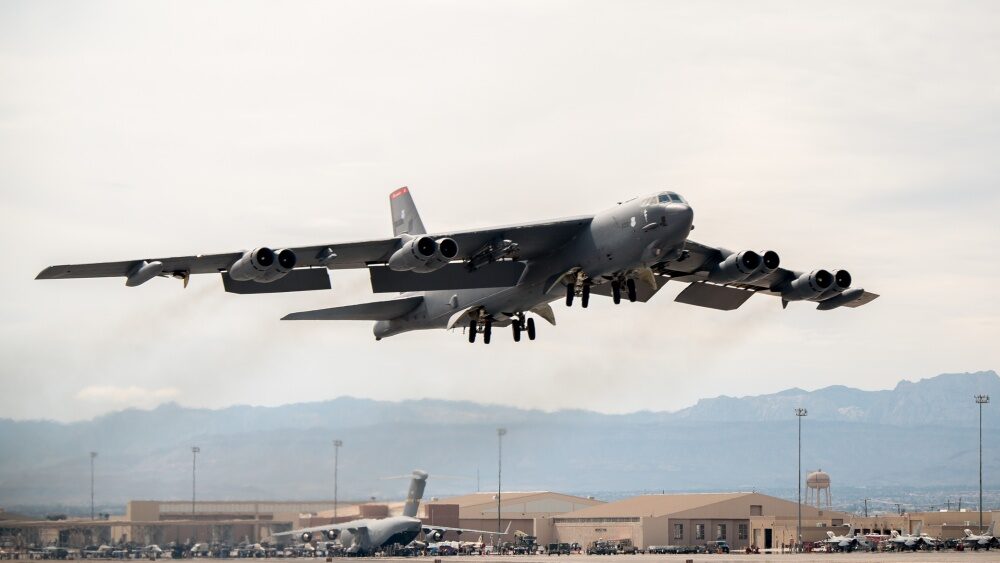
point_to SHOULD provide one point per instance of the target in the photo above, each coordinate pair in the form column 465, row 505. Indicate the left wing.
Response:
column 476, row 248
column 722, row 279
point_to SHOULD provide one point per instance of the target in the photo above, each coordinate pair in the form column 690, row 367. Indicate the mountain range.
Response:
column 918, row 434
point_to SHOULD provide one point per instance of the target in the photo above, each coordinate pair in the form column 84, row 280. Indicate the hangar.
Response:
column 522, row 510
column 741, row 519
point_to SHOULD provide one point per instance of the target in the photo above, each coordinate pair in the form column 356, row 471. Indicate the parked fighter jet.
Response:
column 986, row 540
column 913, row 541
column 497, row 276
column 366, row 536
column 846, row 542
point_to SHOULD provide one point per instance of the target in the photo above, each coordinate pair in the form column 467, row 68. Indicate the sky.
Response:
column 857, row 135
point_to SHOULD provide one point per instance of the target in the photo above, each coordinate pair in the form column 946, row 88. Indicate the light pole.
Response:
column 799, row 413
column 981, row 400
column 336, row 459
column 92, row 456
column 194, row 462
column 500, row 435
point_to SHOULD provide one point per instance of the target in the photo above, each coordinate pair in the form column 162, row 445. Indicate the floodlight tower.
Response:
column 92, row 456
column 799, row 413
column 981, row 400
column 195, row 450
column 336, row 455
column 500, row 434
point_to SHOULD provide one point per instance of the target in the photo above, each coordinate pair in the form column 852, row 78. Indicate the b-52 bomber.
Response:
column 496, row 277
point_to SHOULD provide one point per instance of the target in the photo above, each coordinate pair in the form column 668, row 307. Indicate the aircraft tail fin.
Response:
column 416, row 492
column 405, row 218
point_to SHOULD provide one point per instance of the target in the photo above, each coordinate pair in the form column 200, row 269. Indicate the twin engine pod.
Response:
column 423, row 254
column 263, row 265
column 817, row 285
column 745, row 266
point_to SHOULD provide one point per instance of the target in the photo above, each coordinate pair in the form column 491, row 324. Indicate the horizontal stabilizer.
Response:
column 714, row 296
column 309, row 279
column 377, row 311
column 451, row 276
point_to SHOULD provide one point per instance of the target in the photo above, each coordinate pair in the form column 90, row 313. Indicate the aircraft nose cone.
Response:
column 680, row 214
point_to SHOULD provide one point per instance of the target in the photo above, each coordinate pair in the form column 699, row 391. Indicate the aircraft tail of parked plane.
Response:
column 416, row 492
column 405, row 218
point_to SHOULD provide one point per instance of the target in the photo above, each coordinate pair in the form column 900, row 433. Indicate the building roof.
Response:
column 476, row 499
column 677, row 504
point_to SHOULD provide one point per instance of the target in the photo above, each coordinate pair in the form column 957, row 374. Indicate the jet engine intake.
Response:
column 253, row 264
column 331, row 534
column 841, row 283
column 423, row 254
column 433, row 535
column 284, row 263
column 808, row 286
column 770, row 261
column 306, row 537
column 736, row 267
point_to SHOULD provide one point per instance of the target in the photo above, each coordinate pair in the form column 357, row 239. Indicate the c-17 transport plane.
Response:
column 497, row 276
column 368, row 535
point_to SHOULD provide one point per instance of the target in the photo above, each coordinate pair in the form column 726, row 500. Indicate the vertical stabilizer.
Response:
column 405, row 219
column 417, row 485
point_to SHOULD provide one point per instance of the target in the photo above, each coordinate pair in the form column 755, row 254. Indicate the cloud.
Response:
column 133, row 395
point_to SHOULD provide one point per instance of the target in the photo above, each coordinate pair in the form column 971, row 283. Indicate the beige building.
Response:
column 522, row 510
column 741, row 519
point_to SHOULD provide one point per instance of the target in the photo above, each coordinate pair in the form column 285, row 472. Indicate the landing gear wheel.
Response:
column 616, row 291
column 487, row 331
column 630, row 285
column 531, row 329
column 585, row 296
column 516, row 328
column 473, row 327
column 570, row 292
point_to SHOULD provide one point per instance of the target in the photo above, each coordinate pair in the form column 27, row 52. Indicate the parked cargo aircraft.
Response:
column 366, row 536
column 497, row 276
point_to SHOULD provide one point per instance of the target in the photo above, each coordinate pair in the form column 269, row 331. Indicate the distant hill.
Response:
column 918, row 434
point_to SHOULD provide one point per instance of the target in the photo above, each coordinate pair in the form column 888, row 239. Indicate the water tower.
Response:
column 818, row 483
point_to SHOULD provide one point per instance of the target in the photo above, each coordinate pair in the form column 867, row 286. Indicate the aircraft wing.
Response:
column 698, row 260
column 313, row 530
column 467, row 530
column 518, row 242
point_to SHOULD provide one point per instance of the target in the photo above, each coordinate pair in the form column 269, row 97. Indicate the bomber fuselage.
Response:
column 630, row 236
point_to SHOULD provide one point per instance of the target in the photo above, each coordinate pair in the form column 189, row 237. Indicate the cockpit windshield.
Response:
column 670, row 197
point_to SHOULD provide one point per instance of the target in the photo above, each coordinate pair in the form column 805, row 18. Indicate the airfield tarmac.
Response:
column 928, row 557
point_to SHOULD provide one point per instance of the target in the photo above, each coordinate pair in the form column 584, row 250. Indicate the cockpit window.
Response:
column 669, row 197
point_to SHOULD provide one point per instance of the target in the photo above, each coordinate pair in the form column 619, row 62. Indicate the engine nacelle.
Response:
column 285, row 261
column 423, row 254
column 841, row 282
column 736, row 267
column 253, row 264
column 433, row 535
column 808, row 286
column 331, row 534
column 306, row 537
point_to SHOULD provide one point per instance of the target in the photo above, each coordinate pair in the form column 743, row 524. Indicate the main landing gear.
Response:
column 485, row 326
column 579, row 287
column 519, row 325
column 616, row 290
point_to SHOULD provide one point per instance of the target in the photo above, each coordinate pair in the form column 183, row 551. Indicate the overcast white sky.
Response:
column 862, row 135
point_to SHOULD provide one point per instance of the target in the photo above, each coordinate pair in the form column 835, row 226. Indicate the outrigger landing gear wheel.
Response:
column 531, row 329
column 473, row 328
column 630, row 285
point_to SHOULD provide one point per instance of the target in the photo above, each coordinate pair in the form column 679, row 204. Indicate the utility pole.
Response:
column 981, row 400
column 799, row 413
column 500, row 435
column 92, row 456
column 866, row 507
column 194, row 463
column 336, row 460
